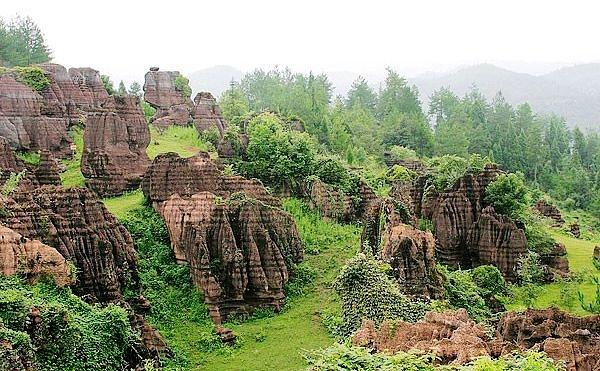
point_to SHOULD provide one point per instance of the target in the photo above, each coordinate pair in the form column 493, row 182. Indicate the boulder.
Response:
column 597, row 253
column 31, row 258
column 575, row 230
column 172, row 106
column 207, row 114
column 114, row 156
column 550, row 211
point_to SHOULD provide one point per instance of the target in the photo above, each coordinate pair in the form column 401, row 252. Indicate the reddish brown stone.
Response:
column 92, row 89
column 114, row 155
column 336, row 205
column 172, row 107
column 207, row 114
column 550, row 211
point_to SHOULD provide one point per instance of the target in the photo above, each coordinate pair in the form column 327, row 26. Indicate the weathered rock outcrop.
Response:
column 454, row 339
column 550, row 211
column 172, row 106
column 114, row 155
column 207, row 114
column 29, row 176
column 336, row 205
column 469, row 233
column 22, row 122
column 409, row 251
column 171, row 174
column 92, row 89
column 79, row 227
column 597, row 253
column 31, row 258
column 574, row 340
column 451, row 336
column 240, row 246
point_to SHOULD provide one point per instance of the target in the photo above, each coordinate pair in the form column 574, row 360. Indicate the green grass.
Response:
column 579, row 253
column 121, row 205
column 72, row 176
column 277, row 342
column 183, row 140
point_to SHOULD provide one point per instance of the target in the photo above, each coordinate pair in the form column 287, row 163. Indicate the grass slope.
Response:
column 183, row 140
column 564, row 294
column 72, row 176
column 266, row 341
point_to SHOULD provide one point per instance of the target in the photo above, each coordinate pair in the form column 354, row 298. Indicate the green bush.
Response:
column 34, row 77
column 489, row 279
column 508, row 194
column 300, row 278
column 182, row 85
column 331, row 170
column 529, row 268
column 148, row 110
column 108, row 84
column 462, row 292
column 446, row 170
column 366, row 292
column 72, row 335
column 399, row 173
column 528, row 361
column 399, row 153
column 31, row 158
column 593, row 306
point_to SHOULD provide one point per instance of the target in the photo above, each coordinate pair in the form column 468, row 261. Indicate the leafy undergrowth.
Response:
column 183, row 140
column 563, row 294
column 72, row 176
column 265, row 341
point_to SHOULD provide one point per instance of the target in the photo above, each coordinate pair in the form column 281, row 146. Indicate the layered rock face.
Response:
column 80, row 229
column 171, row 174
column 46, row 173
column 31, row 258
column 239, row 244
column 455, row 339
column 172, row 107
column 469, row 232
column 335, row 205
column 207, row 114
column 92, row 89
column 114, row 155
column 574, row 340
column 409, row 251
column 550, row 211
column 451, row 336
column 22, row 122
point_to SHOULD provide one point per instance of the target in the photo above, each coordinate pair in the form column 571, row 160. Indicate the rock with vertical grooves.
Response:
column 240, row 246
column 32, row 259
column 550, row 211
column 207, row 114
column 92, row 89
column 23, row 124
column 30, row 176
column 114, row 155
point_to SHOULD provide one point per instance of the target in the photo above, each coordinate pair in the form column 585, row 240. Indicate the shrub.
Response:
column 31, row 158
column 331, row 170
column 211, row 136
column 182, row 85
column 463, row 292
column 108, row 84
column 34, row 77
column 399, row 153
column 366, row 292
column 71, row 334
column 12, row 182
column 529, row 268
column 528, row 361
column 446, row 170
column 148, row 110
column 594, row 306
column 399, row 173
column 489, row 279
column 508, row 194
column 301, row 276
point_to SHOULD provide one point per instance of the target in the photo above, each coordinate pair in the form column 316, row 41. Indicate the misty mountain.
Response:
column 572, row 92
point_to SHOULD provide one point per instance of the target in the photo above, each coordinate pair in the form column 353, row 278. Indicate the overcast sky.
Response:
column 123, row 38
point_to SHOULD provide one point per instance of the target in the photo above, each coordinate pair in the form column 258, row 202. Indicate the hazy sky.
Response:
column 123, row 38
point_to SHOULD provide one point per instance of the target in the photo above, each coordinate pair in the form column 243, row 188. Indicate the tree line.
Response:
column 22, row 43
column 367, row 122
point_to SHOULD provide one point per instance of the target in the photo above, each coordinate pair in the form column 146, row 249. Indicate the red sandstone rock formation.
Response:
column 335, row 205
column 114, row 155
column 31, row 258
column 22, row 122
column 207, row 114
column 455, row 339
column 597, row 253
column 92, row 89
column 46, row 173
column 80, row 228
column 172, row 107
column 550, row 211
column 469, row 234
column 239, row 244
column 171, row 174
column 575, row 340
column 409, row 251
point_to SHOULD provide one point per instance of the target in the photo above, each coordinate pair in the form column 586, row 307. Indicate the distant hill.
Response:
column 213, row 79
column 572, row 92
